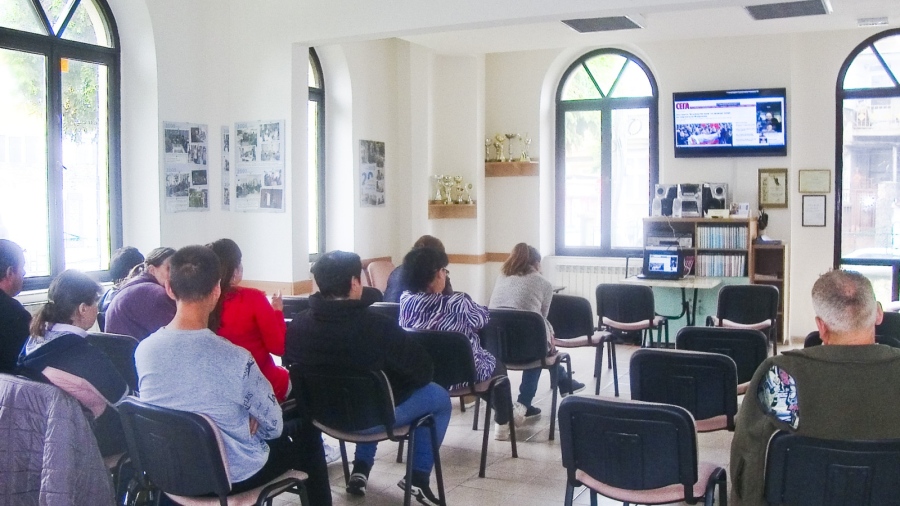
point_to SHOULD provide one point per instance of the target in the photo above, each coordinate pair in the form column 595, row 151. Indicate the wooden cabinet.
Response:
column 717, row 247
column 770, row 269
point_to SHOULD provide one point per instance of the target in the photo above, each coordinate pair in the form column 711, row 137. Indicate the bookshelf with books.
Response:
column 719, row 247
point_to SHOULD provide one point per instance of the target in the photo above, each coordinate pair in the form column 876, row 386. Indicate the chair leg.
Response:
column 615, row 367
column 400, row 452
column 554, row 385
column 593, row 498
column 598, row 366
column 344, row 463
column 609, row 355
column 488, row 404
column 570, row 494
column 410, row 451
column 477, row 409
column 438, row 473
column 462, row 404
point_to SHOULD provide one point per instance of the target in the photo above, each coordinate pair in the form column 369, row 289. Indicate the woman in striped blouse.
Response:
column 424, row 307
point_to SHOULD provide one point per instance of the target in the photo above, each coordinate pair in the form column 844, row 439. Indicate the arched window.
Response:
column 316, row 150
column 607, row 153
column 867, row 196
column 59, row 135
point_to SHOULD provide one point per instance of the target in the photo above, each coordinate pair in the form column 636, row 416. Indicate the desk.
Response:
column 688, row 309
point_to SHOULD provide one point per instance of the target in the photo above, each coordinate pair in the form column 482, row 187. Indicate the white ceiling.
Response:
column 477, row 26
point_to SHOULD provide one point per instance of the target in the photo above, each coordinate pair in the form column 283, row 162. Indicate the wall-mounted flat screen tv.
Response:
column 730, row 123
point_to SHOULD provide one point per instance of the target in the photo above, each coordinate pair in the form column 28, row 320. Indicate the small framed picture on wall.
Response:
column 814, row 210
column 773, row 188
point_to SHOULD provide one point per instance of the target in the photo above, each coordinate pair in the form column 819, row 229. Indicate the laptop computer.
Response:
column 663, row 263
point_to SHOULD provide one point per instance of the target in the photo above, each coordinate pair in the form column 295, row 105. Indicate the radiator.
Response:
column 581, row 275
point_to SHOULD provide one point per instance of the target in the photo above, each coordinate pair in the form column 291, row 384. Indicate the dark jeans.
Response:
column 530, row 379
column 502, row 398
column 301, row 450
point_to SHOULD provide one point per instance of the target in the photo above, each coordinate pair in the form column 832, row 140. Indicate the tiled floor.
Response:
column 535, row 478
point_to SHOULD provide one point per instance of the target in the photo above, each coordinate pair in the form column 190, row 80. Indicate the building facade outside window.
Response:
column 867, row 189
column 316, row 162
column 59, row 135
column 607, row 153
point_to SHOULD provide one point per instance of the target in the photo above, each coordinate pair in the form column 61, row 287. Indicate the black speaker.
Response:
column 666, row 193
column 715, row 196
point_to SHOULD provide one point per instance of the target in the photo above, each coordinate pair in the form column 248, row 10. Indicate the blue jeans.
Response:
column 430, row 399
column 530, row 379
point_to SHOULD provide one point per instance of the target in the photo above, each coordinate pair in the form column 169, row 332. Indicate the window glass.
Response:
column 889, row 49
column 630, row 175
column 579, row 86
column 87, row 25
column 605, row 69
column 56, row 11
column 313, row 178
column 20, row 15
column 583, row 178
column 867, row 72
column 633, row 83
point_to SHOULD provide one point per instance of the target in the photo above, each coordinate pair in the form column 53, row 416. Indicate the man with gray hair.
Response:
column 846, row 389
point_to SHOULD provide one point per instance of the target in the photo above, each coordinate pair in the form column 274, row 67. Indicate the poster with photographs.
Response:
column 371, row 174
column 226, row 168
column 184, row 155
column 259, row 166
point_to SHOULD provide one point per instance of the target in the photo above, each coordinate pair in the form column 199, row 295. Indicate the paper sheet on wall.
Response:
column 371, row 174
column 226, row 168
column 259, row 166
column 184, row 155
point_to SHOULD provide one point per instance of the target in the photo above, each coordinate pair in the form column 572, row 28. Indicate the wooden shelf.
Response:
column 508, row 169
column 441, row 211
column 705, row 258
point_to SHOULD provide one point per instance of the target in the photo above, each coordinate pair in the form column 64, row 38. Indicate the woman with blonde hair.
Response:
column 521, row 286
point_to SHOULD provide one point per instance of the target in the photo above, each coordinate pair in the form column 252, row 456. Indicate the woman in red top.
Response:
column 245, row 317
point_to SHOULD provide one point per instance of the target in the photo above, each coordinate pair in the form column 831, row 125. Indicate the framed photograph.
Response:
column 773, row 188
column 814, row 210
column 815, row 181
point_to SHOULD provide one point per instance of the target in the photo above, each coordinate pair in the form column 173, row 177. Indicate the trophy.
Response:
column 487, row 147
column 459, row 187
column 526, row 143
column 498, row 146
column 439, row 196
column 469, row 194
column 510, row 137
column 447, row 181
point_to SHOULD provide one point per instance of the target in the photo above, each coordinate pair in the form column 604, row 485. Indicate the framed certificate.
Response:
column 814, row 210
column 815, row 181
column 773, row 188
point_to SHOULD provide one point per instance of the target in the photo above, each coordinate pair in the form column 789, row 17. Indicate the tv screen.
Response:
column 730, row 123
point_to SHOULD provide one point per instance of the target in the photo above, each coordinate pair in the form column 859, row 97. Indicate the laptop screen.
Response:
column 664, row 263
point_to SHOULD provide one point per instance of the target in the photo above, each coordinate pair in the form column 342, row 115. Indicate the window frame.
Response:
column 858, row 93
column 605, row 105
column 54, row 49
column 317, row 95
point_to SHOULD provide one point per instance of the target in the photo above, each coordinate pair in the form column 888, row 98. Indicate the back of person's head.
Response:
column 10, row 256
column 334, row 272
column 68, row 291
column 845, row 301
column 523, row 260
column 193, row 273
column 122, row 261
column 429, row 241
column 156, row 258
column 230, row 258
column 420, row 266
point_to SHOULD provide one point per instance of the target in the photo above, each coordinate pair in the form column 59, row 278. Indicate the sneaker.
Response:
column 332, row 453
column 519, row 411
column 422, row 493
column 576, row 386
column 501, row 432
column 532, row 412
column 358, row 480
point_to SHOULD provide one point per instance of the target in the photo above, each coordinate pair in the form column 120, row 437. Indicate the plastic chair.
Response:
column 182, row 454
column 389, row 309
column 748, row 307
column 454, row 366
column 746, row 347
column 120, row 351
column 573, row 327
column 813, row 339
column 627, row 308
column 805, row 471
column 293, row 305
column 889, row 326
column 344, row 403
column 379, row 272
column 370, row 294
column 634, row 452
column 518, row 339
column 705, row 384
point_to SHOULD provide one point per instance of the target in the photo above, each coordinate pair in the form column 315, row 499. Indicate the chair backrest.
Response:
column 705, row 384
column 515, row 336
column 389, row 309
column 344, row 399
column 804, row 471
column 748, row 304
column 294, row 304
column 370, row 294
column 625, row 303
column 120, row 351
column 746, row 347
column 451, row 354
column 814, row 339
column 628, row 444
column 889, row 326
column 379, row 272
column 571, row 316
column 178, row 451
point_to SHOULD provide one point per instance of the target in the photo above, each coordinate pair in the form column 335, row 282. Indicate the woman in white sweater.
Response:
column 521, row 286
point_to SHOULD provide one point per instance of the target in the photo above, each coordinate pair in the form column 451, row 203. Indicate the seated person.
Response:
column 425, row 307
column 844, row 390
column 521, row 286
column 395, row 285
column 245, row 317
column 123, row 261
column 57, row 352
column 14, row 318
column 338, row 331
column 142, row 306
column 185, row 366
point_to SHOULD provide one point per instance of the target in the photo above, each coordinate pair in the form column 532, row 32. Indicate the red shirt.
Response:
column 250, row 321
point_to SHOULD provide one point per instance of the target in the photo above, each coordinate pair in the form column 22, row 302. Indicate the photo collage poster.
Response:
column 371, row 174
column 226, row 169
column 185, row 160
column 259, row 166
